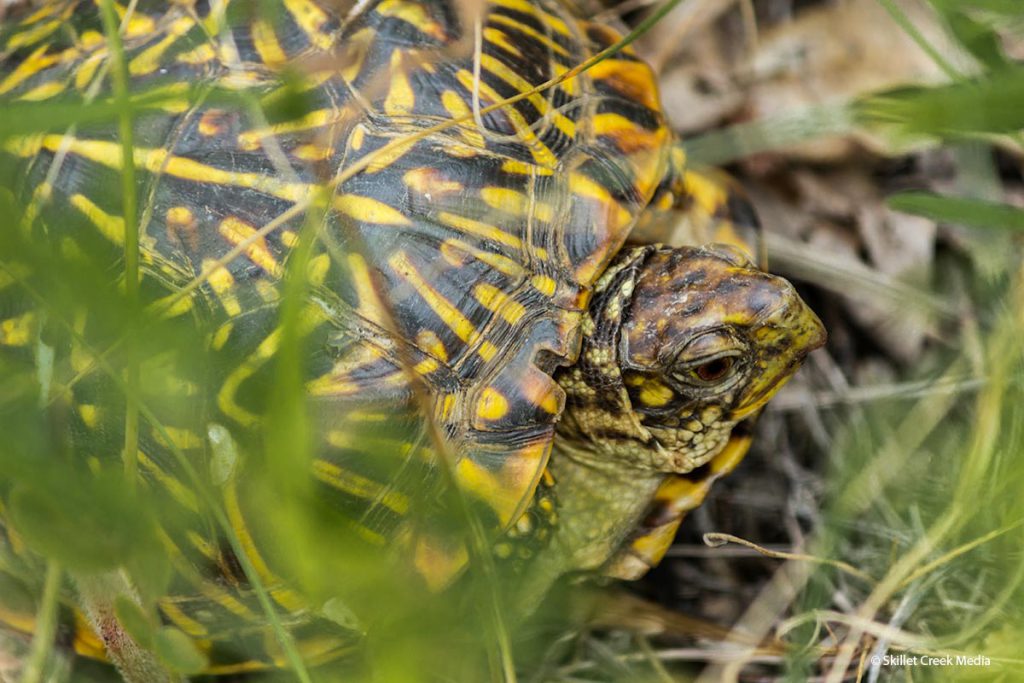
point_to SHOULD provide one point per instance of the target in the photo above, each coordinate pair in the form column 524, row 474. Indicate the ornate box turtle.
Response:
column 470, row 314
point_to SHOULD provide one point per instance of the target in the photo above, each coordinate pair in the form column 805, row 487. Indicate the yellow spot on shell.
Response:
column 516, row 203
column 89, row 414
column 492, row 405
column 43, row 92
column 369, row 210
column 430, row 182
column 400, row 98
column 236, row 231
column 201, row 55
column 458, row 109
column 222, row 283
column 311, row 19
column 524, row 168
column 310, row 152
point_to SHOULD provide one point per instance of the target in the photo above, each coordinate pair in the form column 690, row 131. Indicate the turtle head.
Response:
column 700, row 339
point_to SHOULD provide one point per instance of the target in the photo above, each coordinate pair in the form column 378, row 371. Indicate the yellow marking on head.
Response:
column 492, row 405
column 457, row 108
column 654, row 394
column 414, row 13
column 430, row 343
column 497, row 301
column 111, row 227
column 400, row 99
column 33, row 64
column 472, row 227
column 311, row 20
column 544, row 284
column 150, row 59
column 236, row 231
column 200, row 55
column 44, row 91
column 523, row 168
column 90, row 414
column 498, row 37
column 516, row 203
column 160, row 160
column 361, row 487
column 264, row 39
column 453, row 251
column 223, row 284
column 430, row 181
column 369, row 210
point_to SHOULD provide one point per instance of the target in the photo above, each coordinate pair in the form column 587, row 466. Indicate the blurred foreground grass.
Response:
column 924, row 504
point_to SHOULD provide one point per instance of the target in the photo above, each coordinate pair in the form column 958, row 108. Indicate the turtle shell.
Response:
column 462, row 238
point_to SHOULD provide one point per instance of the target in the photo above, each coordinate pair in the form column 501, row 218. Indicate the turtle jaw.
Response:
column 781, row 341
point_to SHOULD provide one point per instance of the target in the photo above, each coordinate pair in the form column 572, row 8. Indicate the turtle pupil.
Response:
column 715, row 369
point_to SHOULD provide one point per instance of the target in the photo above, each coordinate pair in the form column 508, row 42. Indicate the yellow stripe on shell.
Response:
column 222, row 283
column 311, row 20
column 517, row 203
column 400, row 99
column 453, row 251
column 44, row 91
column 150, row 59
column 540, row 152
column 161, row 161
column 473, row 227
column 458, row 109
column 287, row 598
column 178, row 617
column 545, row 19
column 264, row 39
column 445, row 310
column 414, row 13
column 360, row 487
column 236, row 231
column 111, row 227
column 30, row 66
column 497, row 301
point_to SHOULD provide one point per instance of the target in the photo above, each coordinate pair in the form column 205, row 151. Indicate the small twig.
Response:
column 715, row 540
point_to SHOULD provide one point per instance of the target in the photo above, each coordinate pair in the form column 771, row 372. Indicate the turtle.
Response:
column 453, row 186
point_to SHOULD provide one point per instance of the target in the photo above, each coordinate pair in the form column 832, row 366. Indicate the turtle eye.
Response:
column 714, row 369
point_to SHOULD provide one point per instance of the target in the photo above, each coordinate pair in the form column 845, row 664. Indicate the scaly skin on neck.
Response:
column 679, row 345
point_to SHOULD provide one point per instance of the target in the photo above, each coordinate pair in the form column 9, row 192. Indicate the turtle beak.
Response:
column 782, row 339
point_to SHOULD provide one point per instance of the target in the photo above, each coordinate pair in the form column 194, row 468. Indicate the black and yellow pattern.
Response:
column 451, row 276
